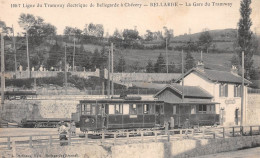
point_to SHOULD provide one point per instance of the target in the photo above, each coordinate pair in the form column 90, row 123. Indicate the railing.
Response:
column 128, row 137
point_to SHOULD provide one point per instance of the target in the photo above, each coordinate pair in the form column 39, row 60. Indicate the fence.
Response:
column 128, row 137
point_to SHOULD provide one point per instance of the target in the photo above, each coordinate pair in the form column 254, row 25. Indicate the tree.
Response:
column 160, row 66
column 55, row 56
column 189, row 61
column 130, row 37
column 168, row 35
column 36, row 28
column 205, row 41
column 96, row 30
column 121, row 65
column 244, row 39
column 149, row 67
column 95, row 60
column 148, row 35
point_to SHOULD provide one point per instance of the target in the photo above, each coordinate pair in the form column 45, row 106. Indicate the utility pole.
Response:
column 2, row 72
column 65, row 70
column 167, row 69
column 73, row 62
column 108, row 76
column 112, row 69
column 14, row 48
column 242, row 89
column 201, row 57
column 27, row 52
column 182, row 73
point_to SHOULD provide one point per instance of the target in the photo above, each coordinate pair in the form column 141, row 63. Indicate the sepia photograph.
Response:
column 130, row 78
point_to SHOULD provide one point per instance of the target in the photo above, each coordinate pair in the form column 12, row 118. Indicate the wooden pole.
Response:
column 167, row 68
column 27, row 53
column 73, row 62
column 2, row 71
column 14, row 48
column 182, row 73
column 108, row 78
column 112, row 69
column 65, row 70
column 242, row 89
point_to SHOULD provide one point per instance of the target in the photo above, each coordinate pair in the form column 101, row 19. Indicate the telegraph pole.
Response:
column 201, row 57
column 14, row 48
column 73, row 62
column 2, row 71
column 108, row 76
column 112, row 69
column 182, row 73
column 166, row 57
column 27, row 52
column 242, row 89
column 65, row 70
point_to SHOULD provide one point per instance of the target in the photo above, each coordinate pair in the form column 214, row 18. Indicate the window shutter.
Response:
column 226, row 90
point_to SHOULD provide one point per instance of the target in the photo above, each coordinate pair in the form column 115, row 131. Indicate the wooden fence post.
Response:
column 223, row 132
column 203, row 133
column 181, row 133
column 50, row 140
column 103, row 138
column 142, row 136
column 259, row 130
column 168, row 136
column 69, row 138
column 156, row 136
column 233, row 131
column 14, row 148
column 241, row 131
column 86, row 138
column 127, row 137
column 8, row 143
column 30, row 142
column 192, row 133
column 114, row 138
column 251, row 131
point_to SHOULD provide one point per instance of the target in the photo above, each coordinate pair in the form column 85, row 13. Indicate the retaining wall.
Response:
column 184, row 148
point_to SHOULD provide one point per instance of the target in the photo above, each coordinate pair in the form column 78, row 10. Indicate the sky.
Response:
column 179, row 18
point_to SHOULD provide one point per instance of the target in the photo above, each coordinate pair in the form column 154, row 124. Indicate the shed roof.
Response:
column 189, row 91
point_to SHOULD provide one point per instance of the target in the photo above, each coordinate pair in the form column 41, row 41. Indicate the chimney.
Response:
column 234, row 70
column 200, row 66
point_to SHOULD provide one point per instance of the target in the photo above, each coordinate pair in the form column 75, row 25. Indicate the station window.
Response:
column 148, row 109
column 210, row 109
column 133, row 109
column 159, row 109
column 202, row 109
column 93, row 111
column 119, row 109
column 174, row 111
column 111, row 110
column 99, row 109
column 126, row 109
column 86, row 109
column 139, row 109
column 223, row 90
column 237, row 91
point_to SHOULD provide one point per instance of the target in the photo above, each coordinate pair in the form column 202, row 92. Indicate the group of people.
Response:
column 64, row 129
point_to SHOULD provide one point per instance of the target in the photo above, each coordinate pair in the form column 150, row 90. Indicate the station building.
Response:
column 224, row 87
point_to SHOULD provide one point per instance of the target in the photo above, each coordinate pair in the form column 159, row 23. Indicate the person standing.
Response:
column 63, row 133
column 73, row 128
column 172, row 123
column 186, row 126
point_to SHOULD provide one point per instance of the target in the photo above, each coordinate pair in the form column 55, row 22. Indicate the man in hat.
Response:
column 62, row 132
column 186, row 126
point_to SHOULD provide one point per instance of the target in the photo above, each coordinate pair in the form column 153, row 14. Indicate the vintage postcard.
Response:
column 130, row 78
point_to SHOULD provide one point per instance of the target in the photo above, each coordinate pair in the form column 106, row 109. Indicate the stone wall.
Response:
column 184, row 148
column 253, row 110
column 177, row 149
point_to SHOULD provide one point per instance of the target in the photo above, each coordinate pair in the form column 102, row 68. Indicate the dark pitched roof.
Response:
column 217, row 76
column 149, row 85
column 189, row 91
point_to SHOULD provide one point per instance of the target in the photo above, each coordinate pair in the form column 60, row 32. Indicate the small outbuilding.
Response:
column 188, row 102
